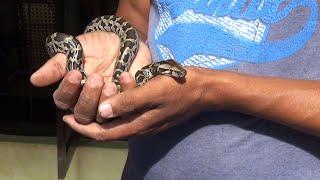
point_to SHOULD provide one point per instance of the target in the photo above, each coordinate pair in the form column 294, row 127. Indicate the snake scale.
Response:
column 129, row 45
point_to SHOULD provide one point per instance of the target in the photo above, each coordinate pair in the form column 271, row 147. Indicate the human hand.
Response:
column 157, row 105
column 100, row 52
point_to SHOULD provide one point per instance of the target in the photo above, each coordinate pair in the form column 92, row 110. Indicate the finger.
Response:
column 129, row 126
column 130, row 102
column 89, row 130
column 109, row 89
column 114, row 130
column 52, row 71
column 68, row 91
column 86, row 107
column 127, row 81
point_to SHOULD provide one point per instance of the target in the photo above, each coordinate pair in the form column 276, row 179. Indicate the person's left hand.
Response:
column 150, row 108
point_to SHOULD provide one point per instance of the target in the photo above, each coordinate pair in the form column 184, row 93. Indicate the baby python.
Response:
column 129, row 45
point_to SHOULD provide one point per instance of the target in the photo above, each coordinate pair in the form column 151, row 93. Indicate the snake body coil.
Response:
column 129, row 45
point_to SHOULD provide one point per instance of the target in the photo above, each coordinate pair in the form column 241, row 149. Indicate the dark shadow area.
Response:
column 27, row 110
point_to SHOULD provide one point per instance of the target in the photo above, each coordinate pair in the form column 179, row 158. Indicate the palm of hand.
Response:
column 101, row 50
column 100, row 53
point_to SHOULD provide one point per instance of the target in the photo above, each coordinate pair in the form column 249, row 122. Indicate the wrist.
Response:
column 220, row 89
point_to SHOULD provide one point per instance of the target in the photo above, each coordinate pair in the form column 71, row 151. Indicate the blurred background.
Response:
column 28, row 116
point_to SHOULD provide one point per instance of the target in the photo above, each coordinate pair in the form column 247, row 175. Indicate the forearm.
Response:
column 294, row 103
column 136, row 12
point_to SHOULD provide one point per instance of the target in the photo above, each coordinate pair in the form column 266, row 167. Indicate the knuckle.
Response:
column 102, row 135
column 137, row 127
column 133, row 130
column 83, row 118
column 58, row 68
column 127, row 104
column 95, row 81
column 85, row 100
column 99, row 136
column 133, row 104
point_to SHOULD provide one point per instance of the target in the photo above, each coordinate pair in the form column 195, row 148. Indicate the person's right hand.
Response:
column 100, row 53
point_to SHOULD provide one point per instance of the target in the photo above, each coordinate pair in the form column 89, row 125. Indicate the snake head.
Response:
column 171, row 68
column 168, row 68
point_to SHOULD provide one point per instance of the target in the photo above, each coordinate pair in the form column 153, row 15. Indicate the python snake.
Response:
column 129, row 45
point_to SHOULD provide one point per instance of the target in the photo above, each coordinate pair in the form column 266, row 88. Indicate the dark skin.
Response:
column 102, row 114
column 100, row 51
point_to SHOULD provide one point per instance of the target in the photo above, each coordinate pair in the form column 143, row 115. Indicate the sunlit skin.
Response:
column 164, row 102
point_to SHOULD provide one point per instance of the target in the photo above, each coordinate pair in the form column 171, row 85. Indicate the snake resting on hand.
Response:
column 129, row 45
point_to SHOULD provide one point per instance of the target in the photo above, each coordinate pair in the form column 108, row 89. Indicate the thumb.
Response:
column 52, row 71
column 129, row 102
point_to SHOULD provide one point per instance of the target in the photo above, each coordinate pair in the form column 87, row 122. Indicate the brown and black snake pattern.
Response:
column 129, row 45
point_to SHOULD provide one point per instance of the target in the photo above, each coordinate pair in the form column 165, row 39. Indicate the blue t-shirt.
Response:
column 258, row 37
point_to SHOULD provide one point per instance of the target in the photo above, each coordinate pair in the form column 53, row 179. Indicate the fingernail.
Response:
column 67, row 118
column 109, row 89
column 105, row 111
column 125, row 77
column 74, row 78
column 34, row 77
column 95, row 80
column 64, row 118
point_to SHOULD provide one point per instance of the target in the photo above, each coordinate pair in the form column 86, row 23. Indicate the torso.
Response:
column 268, row 38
